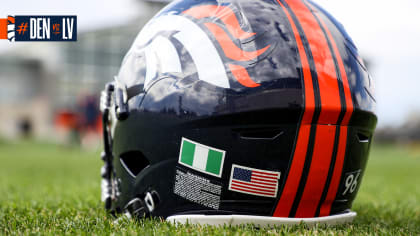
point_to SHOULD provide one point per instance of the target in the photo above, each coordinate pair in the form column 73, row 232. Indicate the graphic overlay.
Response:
column 254, row 181
column 6, row 26
column 39, row 28
column 201, row 158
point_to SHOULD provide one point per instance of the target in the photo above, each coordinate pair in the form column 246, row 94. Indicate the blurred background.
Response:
column 49, row 91
column 50, row 137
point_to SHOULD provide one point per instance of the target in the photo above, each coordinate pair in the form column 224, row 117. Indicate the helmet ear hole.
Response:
column 134, row 162
column 362, row 137
column 259, row 133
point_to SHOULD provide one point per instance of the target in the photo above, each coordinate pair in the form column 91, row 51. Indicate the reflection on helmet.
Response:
column 239, row 112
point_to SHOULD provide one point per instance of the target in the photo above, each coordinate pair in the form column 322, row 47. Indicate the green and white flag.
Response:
column 201, row 157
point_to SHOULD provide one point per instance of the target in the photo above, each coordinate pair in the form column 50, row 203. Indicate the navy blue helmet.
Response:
column 238, row 111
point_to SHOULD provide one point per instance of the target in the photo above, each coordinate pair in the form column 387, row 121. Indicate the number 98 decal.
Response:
column 351, row 182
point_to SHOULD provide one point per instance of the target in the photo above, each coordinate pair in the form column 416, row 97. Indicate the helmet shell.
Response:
column 275, row 86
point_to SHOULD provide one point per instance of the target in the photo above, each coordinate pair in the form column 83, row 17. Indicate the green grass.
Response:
column 49, row 189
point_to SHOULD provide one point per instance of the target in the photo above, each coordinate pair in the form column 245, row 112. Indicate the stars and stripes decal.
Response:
column 254, row 181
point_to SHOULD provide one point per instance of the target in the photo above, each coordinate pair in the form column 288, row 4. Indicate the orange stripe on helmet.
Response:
column 324, row 63
column 225, row 14
column 325, row 209
column 241, row 74
column 229, row 47
column 330, row 109
column 346, row 85
column 329, row 115
column 3, row 28
column 295, row 171
column 318, row 172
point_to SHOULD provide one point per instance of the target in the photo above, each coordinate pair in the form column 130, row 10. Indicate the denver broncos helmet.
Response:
column 238, row 111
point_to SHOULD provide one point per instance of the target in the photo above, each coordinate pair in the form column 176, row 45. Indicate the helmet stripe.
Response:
column 301, row 147
column 344, row 79
column 317, row 176
column 332, row 107
column 325, row 208
column 315, row 172
column 342, row 113
column 330, row 191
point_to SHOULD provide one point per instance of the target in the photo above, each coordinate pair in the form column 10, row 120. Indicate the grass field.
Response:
column 49, row 189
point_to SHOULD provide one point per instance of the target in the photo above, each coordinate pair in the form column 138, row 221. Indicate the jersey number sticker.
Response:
column 351, row 182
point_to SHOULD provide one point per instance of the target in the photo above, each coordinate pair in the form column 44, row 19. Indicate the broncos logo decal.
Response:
column 11, row 28
column 201, row 32
column 231, row 51
column 7, row 28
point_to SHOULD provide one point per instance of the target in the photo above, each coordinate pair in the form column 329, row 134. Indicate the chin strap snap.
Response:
column 121, row 100
column 142, row 207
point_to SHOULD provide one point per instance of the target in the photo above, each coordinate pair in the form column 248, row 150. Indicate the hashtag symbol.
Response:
column 22, row 28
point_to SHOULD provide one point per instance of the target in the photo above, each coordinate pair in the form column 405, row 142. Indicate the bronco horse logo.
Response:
column 200, row 32
column 7, row 28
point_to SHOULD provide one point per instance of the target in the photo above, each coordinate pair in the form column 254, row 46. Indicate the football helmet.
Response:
column 238, row 111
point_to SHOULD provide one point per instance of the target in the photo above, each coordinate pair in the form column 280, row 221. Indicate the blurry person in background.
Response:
column 25, row 127
column 91, row 123
column 69, row 122
column 82, row 124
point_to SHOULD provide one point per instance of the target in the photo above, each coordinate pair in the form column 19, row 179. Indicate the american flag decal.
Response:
column 254, row 181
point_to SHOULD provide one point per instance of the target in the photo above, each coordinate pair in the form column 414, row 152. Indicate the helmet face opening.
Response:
column 258, row 109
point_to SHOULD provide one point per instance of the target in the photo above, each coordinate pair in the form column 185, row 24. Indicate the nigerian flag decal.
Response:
column 202, row 158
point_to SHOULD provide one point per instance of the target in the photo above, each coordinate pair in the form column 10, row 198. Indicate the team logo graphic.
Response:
column 209, row 35
column 7, row 28
column 11, row 28
column 39, row 28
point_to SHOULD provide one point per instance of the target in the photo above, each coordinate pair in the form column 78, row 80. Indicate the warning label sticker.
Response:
column 197, row 189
